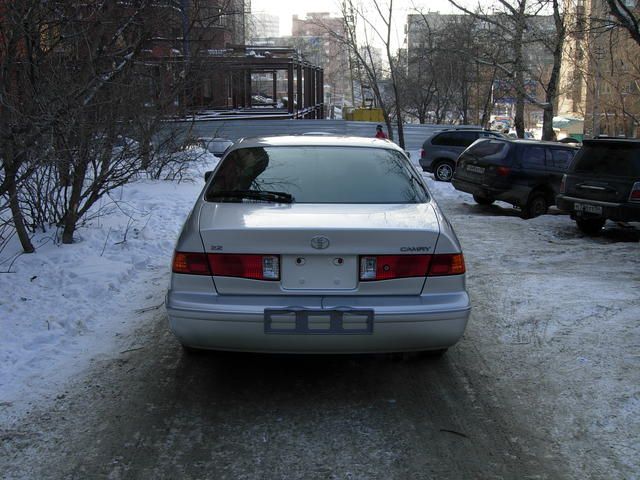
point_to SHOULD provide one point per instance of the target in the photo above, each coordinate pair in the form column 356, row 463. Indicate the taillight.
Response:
column 447, row 264
column 191, row 263
column 634, row 196
column 563, row 183
column 422, row 153
column 386, row 267
column 503, row 171
column 258, row 267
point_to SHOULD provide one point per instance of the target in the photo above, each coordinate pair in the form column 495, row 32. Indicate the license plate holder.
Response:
column 475, row 169
column 303, row 321
column 587, row 208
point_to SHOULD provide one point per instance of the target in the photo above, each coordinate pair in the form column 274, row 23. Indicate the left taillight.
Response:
column 191, row 263
column 387, row 267
column 257, row 267
column 563, row 184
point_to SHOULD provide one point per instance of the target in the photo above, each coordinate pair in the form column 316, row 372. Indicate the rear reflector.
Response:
column 190, row 263
column 634, row 196
column 386, row 267
column 259, row 267
column 503, row 171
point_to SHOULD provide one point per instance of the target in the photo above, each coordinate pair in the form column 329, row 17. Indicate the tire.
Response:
column 483, row 200
column 421, row 355
column 191, row 351
column 590, row 226
column 536, row 205
column 443, row 171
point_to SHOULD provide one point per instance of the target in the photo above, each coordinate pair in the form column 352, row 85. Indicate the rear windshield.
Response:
column 494, row 150
column 320, row 175
column 609, row 159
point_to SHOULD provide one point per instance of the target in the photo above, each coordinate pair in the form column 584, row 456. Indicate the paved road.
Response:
column 155, row 413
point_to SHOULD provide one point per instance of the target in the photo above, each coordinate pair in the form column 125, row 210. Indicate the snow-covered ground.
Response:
column 562, row 311
column 65, row 304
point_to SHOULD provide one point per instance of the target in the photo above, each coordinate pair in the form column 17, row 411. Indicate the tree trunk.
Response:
column 518, row 66
column 14, row 203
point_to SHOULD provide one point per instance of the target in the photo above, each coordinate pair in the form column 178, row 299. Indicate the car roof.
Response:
column 315, row 141
column 610, row 140
column 528, row 141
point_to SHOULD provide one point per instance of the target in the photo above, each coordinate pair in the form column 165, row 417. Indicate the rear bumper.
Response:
column 236, row 323
column 620, row 212
column 425, row 163
column 514, row 194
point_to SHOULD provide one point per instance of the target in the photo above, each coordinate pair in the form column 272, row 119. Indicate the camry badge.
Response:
column 320, row 242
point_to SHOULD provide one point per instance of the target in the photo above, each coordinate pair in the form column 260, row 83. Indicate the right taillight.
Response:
column 634, row 196
column 422, row 153
column 388, row 267
column 447, row 264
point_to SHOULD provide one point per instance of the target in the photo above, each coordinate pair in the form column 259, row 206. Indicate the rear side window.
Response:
column 609, row 159
column 455, row 139
column 322, row 174
column 560, row 158
column 494, row 150
column 533, row 157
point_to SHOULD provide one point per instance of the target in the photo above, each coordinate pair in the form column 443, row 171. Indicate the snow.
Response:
column 68, row 303
column 564, row 309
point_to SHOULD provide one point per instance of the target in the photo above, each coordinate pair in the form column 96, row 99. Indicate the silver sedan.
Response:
column 324, row 244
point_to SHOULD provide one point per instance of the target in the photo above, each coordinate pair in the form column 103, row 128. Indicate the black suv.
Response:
column 441, row 149
column 603, row 183
column 524, row 173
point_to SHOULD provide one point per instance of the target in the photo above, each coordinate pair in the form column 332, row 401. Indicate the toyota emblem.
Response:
column 320, row 242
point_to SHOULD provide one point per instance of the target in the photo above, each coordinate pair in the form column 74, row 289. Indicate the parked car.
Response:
column 316, row 244
column 215, row 145
column 524, row 173
column 440, row 151
column 603, row 183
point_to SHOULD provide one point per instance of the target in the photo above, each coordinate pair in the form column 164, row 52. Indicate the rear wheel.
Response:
column 483, row 200
column 536, row 205
column 444, row 171
column 187, row 350
column 590, row 226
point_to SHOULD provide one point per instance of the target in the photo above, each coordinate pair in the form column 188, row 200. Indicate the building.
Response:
column 318, row 38
column 262, row 25
column 600, row 74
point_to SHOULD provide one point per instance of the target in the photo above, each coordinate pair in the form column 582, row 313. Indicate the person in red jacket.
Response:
column 379, row 132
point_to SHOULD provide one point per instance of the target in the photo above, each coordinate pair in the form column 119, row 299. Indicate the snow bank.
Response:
column 67, row 303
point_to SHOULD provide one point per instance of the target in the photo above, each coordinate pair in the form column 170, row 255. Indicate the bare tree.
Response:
column 511, row 22
column 626, row 17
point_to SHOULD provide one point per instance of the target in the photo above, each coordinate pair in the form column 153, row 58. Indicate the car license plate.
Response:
column 340, row 321
column 475, row 169
column 587, row 208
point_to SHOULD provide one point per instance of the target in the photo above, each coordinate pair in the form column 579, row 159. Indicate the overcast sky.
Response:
column 286, row 8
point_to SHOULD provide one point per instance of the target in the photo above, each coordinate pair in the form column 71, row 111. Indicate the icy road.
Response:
column 544, row 385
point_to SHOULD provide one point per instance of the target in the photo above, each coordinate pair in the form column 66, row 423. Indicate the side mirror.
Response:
column 207, row 175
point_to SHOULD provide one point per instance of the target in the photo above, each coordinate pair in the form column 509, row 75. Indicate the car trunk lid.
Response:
column 319, row 245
